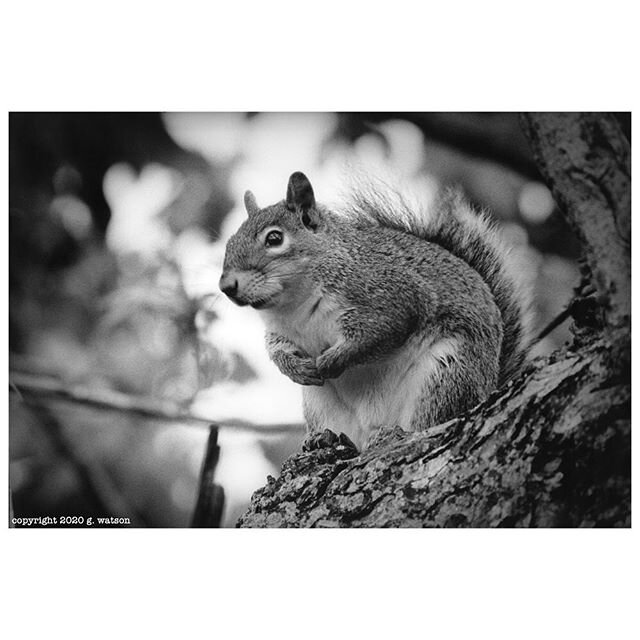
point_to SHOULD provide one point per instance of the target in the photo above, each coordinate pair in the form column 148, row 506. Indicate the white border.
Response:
column 291, row 56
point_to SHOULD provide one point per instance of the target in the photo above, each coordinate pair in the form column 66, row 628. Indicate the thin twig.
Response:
column 166, row 410
column 555, row 323
column 210, row 502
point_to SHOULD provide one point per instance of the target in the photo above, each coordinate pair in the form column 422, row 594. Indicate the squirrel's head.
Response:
column 266, row 258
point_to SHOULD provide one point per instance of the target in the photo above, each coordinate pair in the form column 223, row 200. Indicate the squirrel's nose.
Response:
column 229, row 285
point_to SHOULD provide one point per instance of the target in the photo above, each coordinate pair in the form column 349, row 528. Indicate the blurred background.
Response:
column 117, row 228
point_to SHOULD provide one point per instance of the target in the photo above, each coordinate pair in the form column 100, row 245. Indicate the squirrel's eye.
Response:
column 273, row 239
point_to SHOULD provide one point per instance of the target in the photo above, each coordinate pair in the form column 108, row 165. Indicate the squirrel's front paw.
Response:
column 304, row 371
column 328, row 366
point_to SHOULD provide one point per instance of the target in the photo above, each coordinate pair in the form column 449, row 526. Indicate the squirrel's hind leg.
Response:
column 327, row 438
column 324, row 409
column 459, row 383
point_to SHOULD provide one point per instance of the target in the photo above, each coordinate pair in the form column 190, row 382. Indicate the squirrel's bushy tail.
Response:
column 453, row 224
column 472, row 237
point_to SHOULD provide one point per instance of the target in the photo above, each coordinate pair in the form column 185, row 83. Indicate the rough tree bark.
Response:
column 553, row 448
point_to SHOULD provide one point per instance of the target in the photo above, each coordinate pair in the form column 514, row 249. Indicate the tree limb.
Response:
column 586, row 161
column 553, row 450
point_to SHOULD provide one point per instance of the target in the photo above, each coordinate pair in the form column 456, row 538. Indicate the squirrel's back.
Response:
column 471, row 237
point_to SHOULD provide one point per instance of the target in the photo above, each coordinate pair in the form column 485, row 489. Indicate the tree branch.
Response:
column 586, row 161
column 554, row 450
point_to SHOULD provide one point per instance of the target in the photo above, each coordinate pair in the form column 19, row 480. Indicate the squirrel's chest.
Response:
column 312, row 325
column 386, row 392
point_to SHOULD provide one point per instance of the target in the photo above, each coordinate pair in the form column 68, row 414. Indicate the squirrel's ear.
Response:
column 299, row 192
column 300, row 197
column 250, row 203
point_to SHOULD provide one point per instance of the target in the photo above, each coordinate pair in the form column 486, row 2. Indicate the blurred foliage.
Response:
column 84, row 308
column 79, row 310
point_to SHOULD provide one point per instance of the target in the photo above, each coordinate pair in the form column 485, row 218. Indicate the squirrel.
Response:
column 387, row 317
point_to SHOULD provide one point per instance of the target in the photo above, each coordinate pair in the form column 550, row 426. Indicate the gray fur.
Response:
column 397, row 286
column 295, row 363
column 469, row 236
